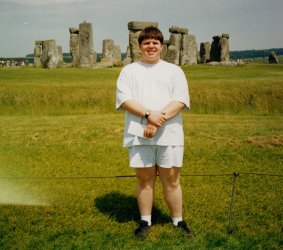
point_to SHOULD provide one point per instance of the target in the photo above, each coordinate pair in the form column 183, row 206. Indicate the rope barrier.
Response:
column 129, row 176
column 235, row 174
column 267, row 174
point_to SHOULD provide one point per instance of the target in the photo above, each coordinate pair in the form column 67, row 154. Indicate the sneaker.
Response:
column 183, row 225
column 142, row 231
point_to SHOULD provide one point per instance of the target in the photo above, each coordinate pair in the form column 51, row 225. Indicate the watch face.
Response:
column 147, row 114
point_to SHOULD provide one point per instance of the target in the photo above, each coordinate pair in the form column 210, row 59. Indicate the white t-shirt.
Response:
column 154, row 86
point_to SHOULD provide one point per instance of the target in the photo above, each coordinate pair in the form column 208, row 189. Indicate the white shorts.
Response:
column 143, row 156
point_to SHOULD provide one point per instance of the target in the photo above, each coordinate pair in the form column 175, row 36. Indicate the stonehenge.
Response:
column 47, row 54
column 180, row 49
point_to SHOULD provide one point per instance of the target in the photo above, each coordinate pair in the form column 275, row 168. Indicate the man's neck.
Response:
column 150, row 61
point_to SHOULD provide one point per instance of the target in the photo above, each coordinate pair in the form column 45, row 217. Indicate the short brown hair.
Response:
column 151, row 33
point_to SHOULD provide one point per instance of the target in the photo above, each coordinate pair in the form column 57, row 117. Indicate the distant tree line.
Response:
column 254, row 53
column 237, row 54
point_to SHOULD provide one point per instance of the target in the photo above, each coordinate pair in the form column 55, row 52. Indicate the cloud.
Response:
column 42, row 2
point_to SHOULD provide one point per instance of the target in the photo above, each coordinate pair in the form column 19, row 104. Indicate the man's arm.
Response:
column 156, row 117
column 172, row 109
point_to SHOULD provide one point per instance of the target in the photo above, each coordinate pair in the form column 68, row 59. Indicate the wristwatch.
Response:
column 147, row 114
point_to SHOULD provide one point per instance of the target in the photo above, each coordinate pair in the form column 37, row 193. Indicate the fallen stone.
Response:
column 273, row 58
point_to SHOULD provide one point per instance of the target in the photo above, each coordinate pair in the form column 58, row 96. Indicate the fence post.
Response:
column 229, row 229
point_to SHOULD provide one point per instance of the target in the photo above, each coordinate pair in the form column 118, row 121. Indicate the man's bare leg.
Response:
column 170, row 179
column 146, row 178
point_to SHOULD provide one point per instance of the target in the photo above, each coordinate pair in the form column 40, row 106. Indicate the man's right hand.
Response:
column 150, row 130
column 157, row 118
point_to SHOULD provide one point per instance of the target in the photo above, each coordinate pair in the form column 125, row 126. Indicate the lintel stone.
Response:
column 39, row 42
column 225, row 35
column 139, row 25
column 74, row 30
column 216, row 38
column 181, row 30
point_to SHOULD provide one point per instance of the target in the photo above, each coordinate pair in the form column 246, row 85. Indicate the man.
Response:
column 153, row 93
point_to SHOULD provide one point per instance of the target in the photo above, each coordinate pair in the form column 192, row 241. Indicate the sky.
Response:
column 252, row 24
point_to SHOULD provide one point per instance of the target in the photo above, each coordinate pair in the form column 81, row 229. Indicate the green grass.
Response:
column 70, row 135
column 253, row 89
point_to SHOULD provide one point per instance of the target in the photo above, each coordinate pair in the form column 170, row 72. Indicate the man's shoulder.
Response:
column 170, row 67
column 131, row 66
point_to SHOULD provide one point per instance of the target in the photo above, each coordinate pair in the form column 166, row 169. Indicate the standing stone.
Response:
column 128, row 52
column 86, row 54
column 74, row 46
column 37, row 53
column 273, row 58
column 175, row 40
column 189, row 52
column 182, row 47
column 60, row 56
column 49, row 57
column 135, row 28
column 220, row 48
column 111, row 54
column 135, row 52
column 224, row 43
column 163, row 54
column 108, row 49
column 172, row 55
column 117, row 56
column 205, row 52
column 215, row 51
column 128, row 58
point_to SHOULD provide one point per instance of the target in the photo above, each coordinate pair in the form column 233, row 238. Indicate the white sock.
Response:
column 176, row 220
column 146, row 218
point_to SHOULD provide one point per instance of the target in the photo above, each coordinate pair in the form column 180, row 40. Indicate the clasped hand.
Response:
column 155, row 121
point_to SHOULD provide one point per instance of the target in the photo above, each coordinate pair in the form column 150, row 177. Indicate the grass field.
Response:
column 59, row 131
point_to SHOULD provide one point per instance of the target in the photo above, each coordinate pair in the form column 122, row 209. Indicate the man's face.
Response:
column 150, row 49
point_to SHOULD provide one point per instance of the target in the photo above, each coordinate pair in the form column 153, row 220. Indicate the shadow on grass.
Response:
column 124, row 208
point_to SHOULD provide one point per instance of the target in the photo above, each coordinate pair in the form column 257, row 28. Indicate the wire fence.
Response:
column 235, row 175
